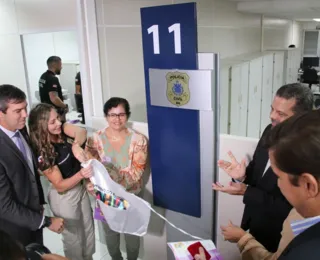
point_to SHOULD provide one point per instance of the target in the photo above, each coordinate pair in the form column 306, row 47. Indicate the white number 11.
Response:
column 175, row 28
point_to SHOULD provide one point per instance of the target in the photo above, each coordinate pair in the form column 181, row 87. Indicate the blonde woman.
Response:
column 58, row 148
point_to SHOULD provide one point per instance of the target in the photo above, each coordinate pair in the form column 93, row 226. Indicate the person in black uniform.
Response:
column 265, row 207
column 78, row 97
column 59, row 150
column 50, row 88
column 78, row 83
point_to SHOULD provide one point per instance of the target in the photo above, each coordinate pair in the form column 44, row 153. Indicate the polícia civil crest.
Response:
column 178, row 92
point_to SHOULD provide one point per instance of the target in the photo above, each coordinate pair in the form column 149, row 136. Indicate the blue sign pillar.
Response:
column 170, row 41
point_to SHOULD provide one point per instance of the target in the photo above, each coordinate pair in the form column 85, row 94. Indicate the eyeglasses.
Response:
column 120, row 116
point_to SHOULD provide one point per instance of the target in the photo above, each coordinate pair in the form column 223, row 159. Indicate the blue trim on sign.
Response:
column 174, row 133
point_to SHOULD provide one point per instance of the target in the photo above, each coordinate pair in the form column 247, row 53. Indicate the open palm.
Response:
column 234, row 169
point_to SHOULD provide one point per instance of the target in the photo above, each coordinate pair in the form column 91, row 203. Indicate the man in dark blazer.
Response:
column 265, row 206
column 21, row 195
column 294, row 156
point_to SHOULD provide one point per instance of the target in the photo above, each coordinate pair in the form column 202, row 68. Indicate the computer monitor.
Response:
column 311, row 61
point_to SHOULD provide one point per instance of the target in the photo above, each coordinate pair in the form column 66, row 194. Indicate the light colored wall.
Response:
column 280, row 33
column 10, row 47
column 297, row 34
column 221, row 28
column 310, row 25
column 11, row 64
column 19, row 17
column 34, row 16
column 277, row 33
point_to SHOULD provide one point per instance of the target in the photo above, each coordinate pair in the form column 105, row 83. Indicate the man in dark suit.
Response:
column 265, row 206
column 294, row 156
column 21, row 195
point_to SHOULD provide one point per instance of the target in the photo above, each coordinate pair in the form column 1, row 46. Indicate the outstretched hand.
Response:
column 234, row 169
column 232, row 233
column 233, row 188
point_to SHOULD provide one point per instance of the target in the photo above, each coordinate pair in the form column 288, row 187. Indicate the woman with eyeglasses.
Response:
column 123, row 151
column 58, row 148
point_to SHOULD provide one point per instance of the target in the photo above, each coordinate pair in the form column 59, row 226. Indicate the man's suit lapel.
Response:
column 300, row 239
column 264, row 153
column 14, row 149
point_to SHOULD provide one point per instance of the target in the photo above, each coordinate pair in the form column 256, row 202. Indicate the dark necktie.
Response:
column 20, row 145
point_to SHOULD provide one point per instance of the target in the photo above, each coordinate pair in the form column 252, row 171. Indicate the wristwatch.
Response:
column 47, row 222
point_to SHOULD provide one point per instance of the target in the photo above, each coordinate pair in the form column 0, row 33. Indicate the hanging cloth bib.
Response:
column 123, row 211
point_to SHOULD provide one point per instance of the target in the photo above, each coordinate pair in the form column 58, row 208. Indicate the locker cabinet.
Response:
column 248, row 85
column 278, row 71
column 239, row 99
column 267, row 84
column 254, row 100
column 292, row 65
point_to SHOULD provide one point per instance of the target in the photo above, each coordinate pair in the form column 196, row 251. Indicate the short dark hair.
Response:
column 296, row 145
column 10, row 94
column 302, row 94
column 53, row 59
column 114, row 102
column 10, row 248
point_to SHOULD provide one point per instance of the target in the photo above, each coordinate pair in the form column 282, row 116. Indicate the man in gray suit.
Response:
column 21, row 194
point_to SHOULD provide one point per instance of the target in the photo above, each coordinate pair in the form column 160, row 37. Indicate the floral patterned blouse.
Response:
column 126, row 165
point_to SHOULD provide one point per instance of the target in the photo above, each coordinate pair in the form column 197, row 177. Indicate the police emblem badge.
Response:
column 178, row 92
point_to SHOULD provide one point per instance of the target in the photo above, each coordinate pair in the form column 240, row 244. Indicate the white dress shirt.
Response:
column 267, row 167
column 299, row 226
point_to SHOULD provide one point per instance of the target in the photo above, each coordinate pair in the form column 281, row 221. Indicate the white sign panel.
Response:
column 184, row 89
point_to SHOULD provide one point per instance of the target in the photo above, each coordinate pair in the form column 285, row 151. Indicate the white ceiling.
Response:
column 300, row 10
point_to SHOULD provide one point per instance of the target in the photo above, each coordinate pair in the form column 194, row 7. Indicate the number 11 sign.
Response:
column 169, row 36
column 154, row 29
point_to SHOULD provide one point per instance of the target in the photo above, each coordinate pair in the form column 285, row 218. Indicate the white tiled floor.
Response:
column 54, row 243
